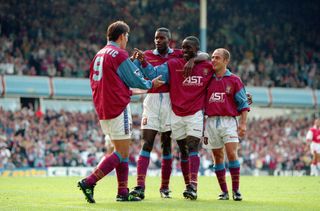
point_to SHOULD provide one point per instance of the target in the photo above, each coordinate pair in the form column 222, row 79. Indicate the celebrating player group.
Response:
column 189, row 99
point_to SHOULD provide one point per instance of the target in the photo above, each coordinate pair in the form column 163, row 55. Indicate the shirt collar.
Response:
column 156, row 52
column 113, row 43
column 227, row 73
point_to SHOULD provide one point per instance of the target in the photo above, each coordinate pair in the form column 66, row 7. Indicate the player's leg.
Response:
column 179, row 134
column 229, row 132
column 194, row 164
column 194, row 131
column 215, row 143
column 317, row 155
column 122, row 171
column 166, row 164
column 120, row 135
column 317, row 158
column 105, row 166
column 234, row 168
column 315, row 164
column 184, row 160
column 148, row 137
column 220, row 170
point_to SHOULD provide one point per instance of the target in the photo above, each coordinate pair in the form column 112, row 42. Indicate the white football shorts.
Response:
column 220, row 130
column 183, row 126
column 118, row 128
column 157, row 112
column 315, row 147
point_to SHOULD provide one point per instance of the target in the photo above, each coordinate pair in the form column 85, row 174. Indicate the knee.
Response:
column 193, row 144
column 147, row 145
column 166, row 145
column 123, row 154
column 166, row 149
column 183, row 147
column 232, row 156
column 218, row 156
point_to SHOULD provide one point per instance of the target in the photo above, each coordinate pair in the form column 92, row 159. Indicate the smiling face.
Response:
column 219, row 60
column 189, row 49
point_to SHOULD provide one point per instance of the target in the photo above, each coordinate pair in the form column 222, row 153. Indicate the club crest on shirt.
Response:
column 205, row 72
column 144, row 121
column 228, row 89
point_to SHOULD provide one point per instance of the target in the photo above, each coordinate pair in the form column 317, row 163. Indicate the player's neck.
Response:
column 163, row 52
column 220, row 73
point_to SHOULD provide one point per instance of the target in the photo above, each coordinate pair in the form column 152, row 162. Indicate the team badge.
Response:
column 144, row 121
column 228, row 89
column 205, row 72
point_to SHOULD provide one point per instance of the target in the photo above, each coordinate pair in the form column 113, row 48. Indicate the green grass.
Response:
column 259, row 193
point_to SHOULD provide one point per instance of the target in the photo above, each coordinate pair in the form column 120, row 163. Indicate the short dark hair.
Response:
column 163, row 29
column 225, row 53
column 195, row 41
column 116, row 29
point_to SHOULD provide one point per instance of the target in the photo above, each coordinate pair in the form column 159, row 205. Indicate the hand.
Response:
column 139, row 55
column 187, row 69
column 157, row 82
column 242, row 129
column 249, row 97
column 133, row 56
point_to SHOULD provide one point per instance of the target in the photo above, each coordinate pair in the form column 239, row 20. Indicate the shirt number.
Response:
column 97, row 67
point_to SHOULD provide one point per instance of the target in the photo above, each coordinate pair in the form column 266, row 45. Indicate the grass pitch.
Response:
column 259, row 193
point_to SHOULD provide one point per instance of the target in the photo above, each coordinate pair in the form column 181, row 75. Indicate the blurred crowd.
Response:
column 31, row 138
column 272, row 43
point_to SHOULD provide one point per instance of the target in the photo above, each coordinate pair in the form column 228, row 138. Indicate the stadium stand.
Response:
column 271, row 45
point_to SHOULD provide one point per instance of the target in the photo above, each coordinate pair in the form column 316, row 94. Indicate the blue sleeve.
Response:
column 131, row 75
column 241, row 99
column 152, row 72
column 136, row 62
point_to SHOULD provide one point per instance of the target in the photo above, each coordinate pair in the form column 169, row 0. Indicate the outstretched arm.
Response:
column 131, row 75
column 150, row 71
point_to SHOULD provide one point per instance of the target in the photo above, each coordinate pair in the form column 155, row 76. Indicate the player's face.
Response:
column 218, row 61
column 161, row 41
column 189, row 49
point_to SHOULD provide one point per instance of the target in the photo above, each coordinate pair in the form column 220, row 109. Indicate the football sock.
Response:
column 143, row 163
column 106, row 165
column 220, row 171
column 184, row 162
column 234, row 168
column 122, row 171
column 194, row 164
column 166, row 168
